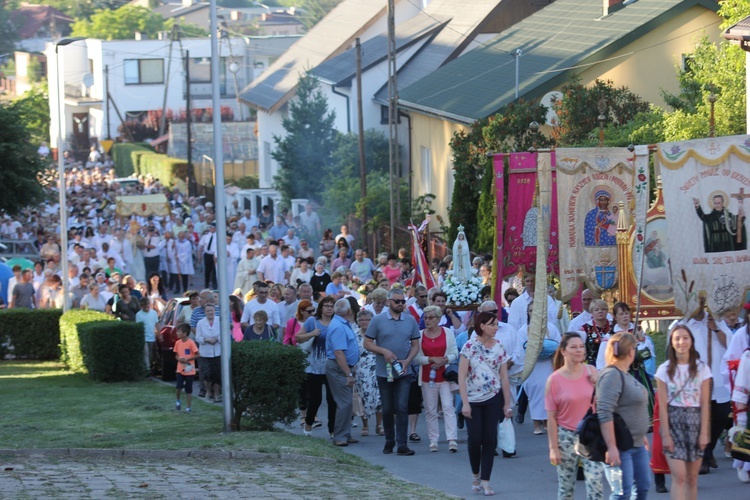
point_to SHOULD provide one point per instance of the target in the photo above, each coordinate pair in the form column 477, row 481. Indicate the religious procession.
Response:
column 460, row 339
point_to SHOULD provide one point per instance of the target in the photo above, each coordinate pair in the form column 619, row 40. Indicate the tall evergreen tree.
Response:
column 305, row 153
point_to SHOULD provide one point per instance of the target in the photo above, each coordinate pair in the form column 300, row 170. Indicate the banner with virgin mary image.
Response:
column 591, row 182
column 706, row 186
column 522, row 217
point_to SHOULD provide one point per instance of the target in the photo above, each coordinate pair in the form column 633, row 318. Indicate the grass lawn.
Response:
column 46, row 406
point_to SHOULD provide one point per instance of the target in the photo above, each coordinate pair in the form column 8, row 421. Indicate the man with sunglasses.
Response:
column 394, row 337
column 416, row 309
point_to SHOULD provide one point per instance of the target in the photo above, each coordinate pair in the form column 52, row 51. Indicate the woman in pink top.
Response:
column 392, row 271
column 567, row 398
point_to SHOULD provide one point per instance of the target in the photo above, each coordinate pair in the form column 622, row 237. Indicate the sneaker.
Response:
column 743, row 475
column 433, row 447
column 218, row 399
column 317, row 424
column 202, row 394
column 177, row 406
column 452, row 446
column 388, row 449
column 414, row 437
column 405, row 452
column 188, row 410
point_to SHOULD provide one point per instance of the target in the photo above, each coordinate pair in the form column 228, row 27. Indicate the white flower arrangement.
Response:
column 463, row 294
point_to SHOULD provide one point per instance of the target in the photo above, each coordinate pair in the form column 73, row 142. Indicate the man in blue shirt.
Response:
column 393, row 335
column 342, row 354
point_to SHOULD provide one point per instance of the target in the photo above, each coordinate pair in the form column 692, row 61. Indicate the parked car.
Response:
column 166, row 362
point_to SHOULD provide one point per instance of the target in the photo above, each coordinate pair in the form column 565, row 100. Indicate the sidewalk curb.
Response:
column 160, row 454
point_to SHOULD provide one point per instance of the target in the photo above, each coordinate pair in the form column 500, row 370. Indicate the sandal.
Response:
column 365, row 431
column 488, row 492
column 476, row 484
column 414, row 437
column 379, row 430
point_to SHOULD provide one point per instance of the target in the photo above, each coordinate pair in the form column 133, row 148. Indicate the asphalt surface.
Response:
column 529, row 475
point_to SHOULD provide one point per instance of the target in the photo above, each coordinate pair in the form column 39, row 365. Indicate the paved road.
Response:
column 527, row 476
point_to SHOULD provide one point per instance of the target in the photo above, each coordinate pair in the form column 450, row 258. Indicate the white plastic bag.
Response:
column 506, row 436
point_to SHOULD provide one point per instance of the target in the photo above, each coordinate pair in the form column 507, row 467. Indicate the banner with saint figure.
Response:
column 591, row 182
column 522, row 217
column 706, row 186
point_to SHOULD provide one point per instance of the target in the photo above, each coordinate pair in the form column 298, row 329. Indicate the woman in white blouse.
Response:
column 485, row 394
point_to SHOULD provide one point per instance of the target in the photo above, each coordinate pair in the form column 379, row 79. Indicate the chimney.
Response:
column 611, row 6
column 138, row 36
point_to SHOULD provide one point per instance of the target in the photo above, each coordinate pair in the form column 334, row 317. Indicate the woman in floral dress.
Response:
column 366, row 385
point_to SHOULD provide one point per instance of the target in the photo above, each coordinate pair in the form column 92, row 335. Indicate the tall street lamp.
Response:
column 61, row 171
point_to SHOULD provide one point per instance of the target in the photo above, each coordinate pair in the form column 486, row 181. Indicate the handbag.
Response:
column 590, row 443
column 307, row 345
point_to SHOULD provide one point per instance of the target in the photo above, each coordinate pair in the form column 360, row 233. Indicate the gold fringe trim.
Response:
column 711, row 162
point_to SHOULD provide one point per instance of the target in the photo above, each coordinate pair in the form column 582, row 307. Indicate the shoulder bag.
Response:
column 590, row 443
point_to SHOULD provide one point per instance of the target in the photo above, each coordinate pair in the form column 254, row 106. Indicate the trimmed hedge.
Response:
column 122, row 157
column 266, row 377
column 30, row 333
column 171, row 172
column 107, row 349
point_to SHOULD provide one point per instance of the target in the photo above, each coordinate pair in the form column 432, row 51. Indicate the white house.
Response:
column 429, row 33
column 145, row 75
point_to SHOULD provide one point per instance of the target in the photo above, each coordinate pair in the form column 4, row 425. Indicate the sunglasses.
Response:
column 398, row 301
column 423, row 296
column 310, row 311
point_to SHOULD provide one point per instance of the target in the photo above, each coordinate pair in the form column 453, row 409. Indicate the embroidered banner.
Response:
column 591, row 183
column 522, row 217
column 706, row 186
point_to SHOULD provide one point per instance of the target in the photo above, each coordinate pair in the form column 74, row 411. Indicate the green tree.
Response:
column 712, row 69
column 305, row 153
column 21, row 164
column 578, row 110
column 733, row 11
column 342, row 188
column 8, row 35
column 33, row 107
column 120, row 24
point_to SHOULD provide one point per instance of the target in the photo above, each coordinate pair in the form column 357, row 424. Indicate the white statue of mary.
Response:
column 461, row 258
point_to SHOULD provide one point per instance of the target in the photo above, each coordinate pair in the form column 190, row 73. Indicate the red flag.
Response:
column 422, row 274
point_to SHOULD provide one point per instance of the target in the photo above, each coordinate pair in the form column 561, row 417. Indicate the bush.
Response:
column 121, row 156
column 171, row 172
column 248, row 182
column 266, row 378
column 31, row 334
column 97, row 344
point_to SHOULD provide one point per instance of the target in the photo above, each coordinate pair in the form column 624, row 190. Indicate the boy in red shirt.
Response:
column 186, row 352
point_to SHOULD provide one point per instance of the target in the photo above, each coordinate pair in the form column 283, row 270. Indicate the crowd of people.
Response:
column 381, row 345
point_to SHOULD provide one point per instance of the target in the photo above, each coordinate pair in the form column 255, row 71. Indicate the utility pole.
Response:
column 393, row 123
column 221, row 226
column 361, row 132
column 163, row 121
column 106, row 101
column 192, row 185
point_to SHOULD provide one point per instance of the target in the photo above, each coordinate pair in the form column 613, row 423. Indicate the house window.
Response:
column 687, row 62
column 426, row 166
column 200, row 72
column 143, row 71
column 384, row 116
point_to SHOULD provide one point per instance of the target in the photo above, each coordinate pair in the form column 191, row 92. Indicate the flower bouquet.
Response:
column 463, row 293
